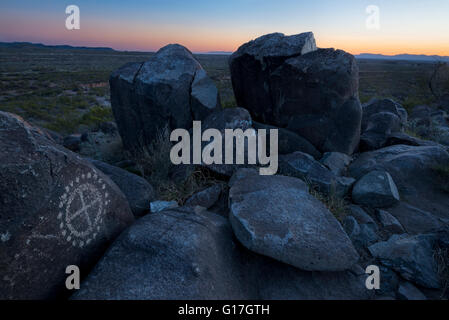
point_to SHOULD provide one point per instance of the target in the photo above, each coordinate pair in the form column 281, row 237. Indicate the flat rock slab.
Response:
column 277, row 217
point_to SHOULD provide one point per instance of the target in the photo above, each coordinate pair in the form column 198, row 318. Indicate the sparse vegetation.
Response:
column 441, row 256
column 335, row 204
column 154, row 165
column 54, row 88
column 432, row 132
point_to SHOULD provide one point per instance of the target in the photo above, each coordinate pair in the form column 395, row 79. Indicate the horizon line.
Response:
column 217, row 52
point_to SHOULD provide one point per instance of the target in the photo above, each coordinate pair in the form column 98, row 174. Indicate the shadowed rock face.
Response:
column 381, row 119
column 252, row 63
column 56, row 210
column 316, row 96
column 411, row 256
column 169, row 90
column 137, row 190
column 311, row 92
column 277, row 217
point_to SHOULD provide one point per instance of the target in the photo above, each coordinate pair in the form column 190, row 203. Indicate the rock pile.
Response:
column 353, row 190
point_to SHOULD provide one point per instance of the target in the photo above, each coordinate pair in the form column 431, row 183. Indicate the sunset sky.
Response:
column 406, row 26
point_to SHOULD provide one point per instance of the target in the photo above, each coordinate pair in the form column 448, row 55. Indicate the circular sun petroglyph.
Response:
column 82, row 208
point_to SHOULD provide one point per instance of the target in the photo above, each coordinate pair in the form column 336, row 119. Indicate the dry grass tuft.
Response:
column 154, row 165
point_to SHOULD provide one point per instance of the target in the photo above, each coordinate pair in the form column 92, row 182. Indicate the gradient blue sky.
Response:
column 406, row 26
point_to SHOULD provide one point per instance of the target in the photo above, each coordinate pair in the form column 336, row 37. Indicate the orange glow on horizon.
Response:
column 151, row 37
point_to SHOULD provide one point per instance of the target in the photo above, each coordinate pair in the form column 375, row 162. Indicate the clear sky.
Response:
column 406, row 26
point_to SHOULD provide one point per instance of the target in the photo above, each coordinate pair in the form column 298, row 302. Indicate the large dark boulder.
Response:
column 56, row 210
column 252, row 63
column 316, row 96
column 288, row 141
column 233, row 119
column 137, row 190
column 287, row 82
column 171, row 90
column 174, row 254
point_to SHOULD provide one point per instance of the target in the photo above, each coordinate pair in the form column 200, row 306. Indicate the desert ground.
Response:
column 63, row 89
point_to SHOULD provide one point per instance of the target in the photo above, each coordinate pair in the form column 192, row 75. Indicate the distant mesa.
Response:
column 220, row 52
column 403, row 57
column 29, row 45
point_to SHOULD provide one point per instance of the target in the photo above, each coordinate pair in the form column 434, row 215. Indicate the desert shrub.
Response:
column 432, row 132
column 96, row 115
column 180, row 191
column 412, row 101
column 230, row 103
column 441, row 256
column 155, row 165
column 338, row 206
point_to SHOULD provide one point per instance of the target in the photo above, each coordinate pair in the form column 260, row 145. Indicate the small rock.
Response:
column 389, row 223
column 376, row 189
column 361, row 235
column 337, row 162
column 108, row 127
column 72, row 142
column 206, row 198
column 158, row 206
column 303, row 166
column 229, row 118
column 362, row 217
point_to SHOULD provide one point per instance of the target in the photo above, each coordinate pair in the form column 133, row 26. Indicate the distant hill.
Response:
column 220, row 52
column 407, row 57
column 29, row 45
